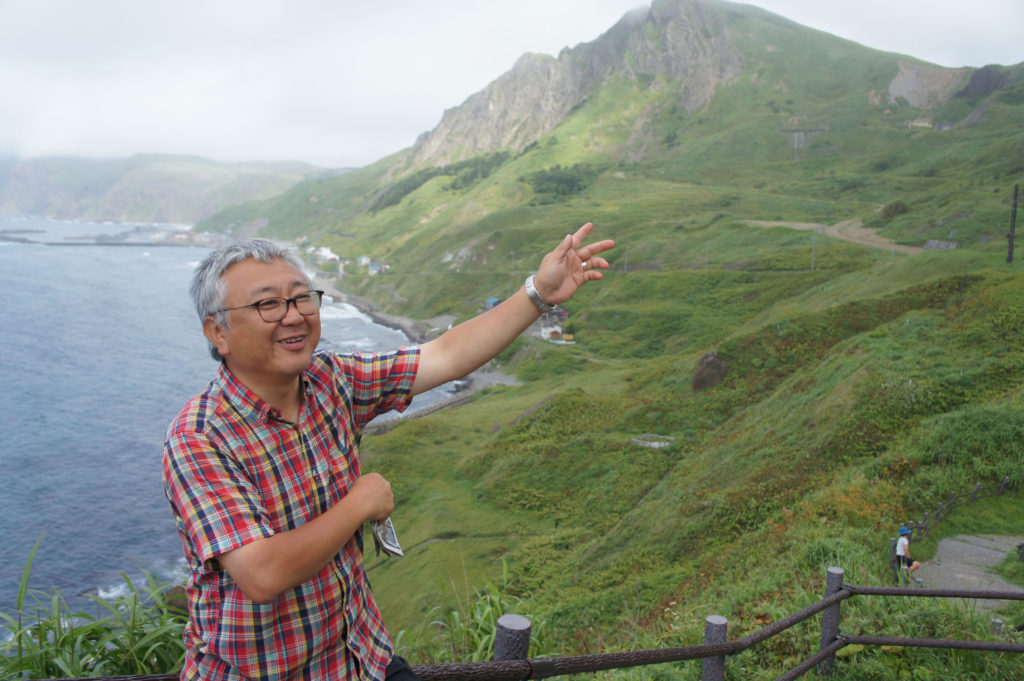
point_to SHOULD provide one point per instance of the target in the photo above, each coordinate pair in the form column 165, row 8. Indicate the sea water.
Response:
column 99, row 348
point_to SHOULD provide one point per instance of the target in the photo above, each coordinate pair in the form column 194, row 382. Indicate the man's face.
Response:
column 264, row 354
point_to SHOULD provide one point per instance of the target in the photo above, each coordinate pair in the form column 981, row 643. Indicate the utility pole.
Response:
column 1013, row 225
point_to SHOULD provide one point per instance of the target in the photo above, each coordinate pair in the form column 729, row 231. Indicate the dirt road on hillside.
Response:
column 847, row 230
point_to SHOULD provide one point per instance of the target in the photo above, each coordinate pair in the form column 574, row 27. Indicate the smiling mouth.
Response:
column 295, row 340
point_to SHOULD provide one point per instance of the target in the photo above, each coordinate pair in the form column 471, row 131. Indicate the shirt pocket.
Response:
column 298, row 491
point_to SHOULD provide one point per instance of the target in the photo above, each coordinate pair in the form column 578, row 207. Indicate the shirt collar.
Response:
column 249, row 403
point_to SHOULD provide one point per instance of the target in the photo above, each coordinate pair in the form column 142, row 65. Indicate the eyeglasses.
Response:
column 276, row 309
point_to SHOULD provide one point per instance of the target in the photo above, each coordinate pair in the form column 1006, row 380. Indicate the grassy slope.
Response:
column 859, row 393
column 831, row 427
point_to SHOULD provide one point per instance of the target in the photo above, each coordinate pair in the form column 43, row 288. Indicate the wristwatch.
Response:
column 535, row 296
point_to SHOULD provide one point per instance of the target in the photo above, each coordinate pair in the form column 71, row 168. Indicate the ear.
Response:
column 216, row 334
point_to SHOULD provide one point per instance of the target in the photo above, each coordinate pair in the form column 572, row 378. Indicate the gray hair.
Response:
column 208, row 288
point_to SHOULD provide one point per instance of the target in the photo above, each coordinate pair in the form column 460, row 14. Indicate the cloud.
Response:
column 343, row 83
column 945, row 32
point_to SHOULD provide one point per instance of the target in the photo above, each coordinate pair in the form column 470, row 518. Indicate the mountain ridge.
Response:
column 160, row 188
column 535, row 95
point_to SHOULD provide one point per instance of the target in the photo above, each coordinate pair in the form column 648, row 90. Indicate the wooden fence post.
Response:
column 1013, row 226
column 715, row 630
column 974, row 494
column 512, row 638
column 1002, row 487
column 892, row 560
column 830, row 620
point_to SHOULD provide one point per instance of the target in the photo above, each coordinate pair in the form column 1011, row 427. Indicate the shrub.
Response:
column 891, row 210
column 557, row 183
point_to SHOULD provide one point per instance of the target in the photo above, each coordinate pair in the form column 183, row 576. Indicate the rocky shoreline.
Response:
column 418, row 332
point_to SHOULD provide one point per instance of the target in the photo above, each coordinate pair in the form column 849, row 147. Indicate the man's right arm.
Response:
column 265, row 568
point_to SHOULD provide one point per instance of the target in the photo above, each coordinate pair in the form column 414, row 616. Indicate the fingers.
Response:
column 582, row 234
column 588, row 252
column 585, row 256
column 568, row 243
column 377, row 494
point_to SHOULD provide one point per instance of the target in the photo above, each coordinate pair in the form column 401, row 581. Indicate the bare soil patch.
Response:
column 847, row 230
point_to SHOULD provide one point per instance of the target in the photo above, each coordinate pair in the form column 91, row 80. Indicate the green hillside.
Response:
column 864, row 383
column 143, row 188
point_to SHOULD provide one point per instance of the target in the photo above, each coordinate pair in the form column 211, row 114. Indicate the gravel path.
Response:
column 966, row 562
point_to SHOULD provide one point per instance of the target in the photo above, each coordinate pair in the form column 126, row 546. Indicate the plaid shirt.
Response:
column 234, row 472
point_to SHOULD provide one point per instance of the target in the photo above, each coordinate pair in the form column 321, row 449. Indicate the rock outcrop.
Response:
column 924, row 86
column 683, row 42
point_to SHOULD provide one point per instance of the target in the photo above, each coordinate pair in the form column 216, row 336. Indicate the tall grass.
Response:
column 466, row 633
column 137, row 633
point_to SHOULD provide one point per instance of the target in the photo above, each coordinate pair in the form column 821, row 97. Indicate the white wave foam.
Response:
column 114, row 592
column 343, row 311
column 164, row 571
column 364, row 344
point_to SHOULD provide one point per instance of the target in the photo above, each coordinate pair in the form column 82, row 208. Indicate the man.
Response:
column 262, row 473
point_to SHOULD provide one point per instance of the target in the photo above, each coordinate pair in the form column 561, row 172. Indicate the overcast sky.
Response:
column 340, row 83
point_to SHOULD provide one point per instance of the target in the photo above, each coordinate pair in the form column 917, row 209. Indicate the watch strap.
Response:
column 534, row 294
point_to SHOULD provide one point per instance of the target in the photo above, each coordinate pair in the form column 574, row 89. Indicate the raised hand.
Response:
column 570, row 265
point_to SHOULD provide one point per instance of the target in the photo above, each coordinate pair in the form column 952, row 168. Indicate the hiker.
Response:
column 903, row 552
column 262, row 471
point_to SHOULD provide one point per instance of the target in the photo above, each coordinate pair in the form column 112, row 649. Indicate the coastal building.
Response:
column 551, row 324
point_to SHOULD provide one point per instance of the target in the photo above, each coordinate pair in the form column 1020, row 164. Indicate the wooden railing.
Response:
column 512, row 643
column 919, row 530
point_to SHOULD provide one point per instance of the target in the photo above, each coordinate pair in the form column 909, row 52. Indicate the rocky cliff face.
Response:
column 925, row 86
column 684, row 41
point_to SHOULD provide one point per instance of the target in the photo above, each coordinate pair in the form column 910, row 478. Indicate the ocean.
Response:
column 101, row 348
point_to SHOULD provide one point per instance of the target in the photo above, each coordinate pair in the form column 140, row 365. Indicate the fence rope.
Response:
column 813, row 661
column 935, row 593
column 996, row 646
column 921, row 529
column 541, row 668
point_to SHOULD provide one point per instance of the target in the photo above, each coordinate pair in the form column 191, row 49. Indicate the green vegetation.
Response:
column 864, row 381
column 863, row 384
column 138, row 633
column 465, row 174
column 558, row 183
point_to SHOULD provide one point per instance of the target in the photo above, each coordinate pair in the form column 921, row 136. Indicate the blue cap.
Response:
column 905, row 530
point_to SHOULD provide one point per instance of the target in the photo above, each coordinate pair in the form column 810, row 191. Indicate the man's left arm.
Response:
column 471, row 344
